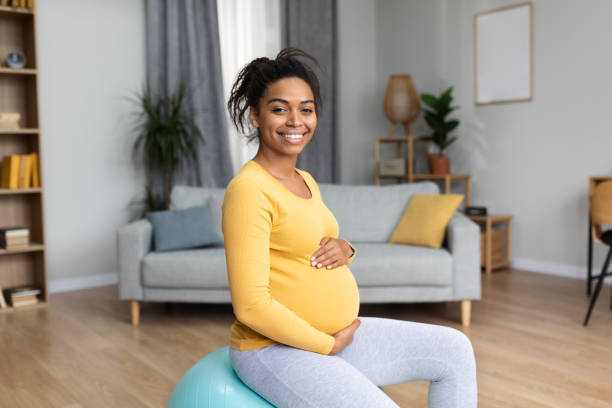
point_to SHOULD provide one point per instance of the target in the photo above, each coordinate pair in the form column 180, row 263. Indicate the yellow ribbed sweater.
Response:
column 270, row 234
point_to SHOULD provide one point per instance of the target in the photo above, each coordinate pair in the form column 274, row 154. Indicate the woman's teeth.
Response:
column 292, row 136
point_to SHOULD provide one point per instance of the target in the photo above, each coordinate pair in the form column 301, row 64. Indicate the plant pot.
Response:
column 439, row 164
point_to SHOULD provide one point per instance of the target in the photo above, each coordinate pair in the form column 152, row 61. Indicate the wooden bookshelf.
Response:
column 19, row 92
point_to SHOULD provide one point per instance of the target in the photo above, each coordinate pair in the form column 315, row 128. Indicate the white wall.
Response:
column 91, row 56
column 542, row 153
column 529, row 159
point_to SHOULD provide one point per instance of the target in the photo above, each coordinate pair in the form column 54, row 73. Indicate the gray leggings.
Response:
column 383, row 352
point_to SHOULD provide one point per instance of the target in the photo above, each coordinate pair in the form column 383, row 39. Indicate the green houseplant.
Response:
column 435, row 116
column 167, row 136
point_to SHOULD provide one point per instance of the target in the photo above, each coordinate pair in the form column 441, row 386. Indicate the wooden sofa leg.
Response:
column 135, row 312
column 466, row 312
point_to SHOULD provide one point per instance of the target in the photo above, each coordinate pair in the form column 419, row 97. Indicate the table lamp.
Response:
column 402, row 103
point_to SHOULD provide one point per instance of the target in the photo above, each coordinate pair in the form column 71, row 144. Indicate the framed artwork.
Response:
column 503, row 55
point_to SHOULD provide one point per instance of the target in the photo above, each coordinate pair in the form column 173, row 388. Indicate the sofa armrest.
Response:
column 463, row 242
column 133, row 243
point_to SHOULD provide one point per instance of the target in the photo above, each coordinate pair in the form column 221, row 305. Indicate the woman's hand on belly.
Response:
column 344, row 337
column 332, row 253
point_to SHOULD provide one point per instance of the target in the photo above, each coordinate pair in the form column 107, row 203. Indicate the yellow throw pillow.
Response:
column 425, row 219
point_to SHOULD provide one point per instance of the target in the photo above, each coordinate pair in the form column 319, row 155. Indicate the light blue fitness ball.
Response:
column 212, row 383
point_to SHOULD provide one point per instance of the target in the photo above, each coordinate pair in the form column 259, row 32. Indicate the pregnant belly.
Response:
column 327, row 299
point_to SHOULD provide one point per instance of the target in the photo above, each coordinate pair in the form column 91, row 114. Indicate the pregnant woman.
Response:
column 298, row 340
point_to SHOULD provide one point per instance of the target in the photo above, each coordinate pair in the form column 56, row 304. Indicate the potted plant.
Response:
column 167, row 136
column 436, row 119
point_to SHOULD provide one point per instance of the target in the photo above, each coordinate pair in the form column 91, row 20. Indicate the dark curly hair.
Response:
column 254, row 78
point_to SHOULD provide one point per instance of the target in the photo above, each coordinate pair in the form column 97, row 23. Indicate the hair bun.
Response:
column 254, row 78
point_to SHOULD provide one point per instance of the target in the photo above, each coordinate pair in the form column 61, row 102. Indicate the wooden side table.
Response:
column 487, row 222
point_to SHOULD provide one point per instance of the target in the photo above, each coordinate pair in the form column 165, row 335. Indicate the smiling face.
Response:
column 285, row 118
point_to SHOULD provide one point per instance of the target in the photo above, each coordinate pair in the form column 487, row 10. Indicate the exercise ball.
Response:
column 212, row 383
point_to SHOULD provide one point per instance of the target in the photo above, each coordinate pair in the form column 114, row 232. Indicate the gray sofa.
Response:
column 366, row 215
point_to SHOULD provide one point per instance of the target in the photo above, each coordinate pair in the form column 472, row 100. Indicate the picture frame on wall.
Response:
column 503, row 55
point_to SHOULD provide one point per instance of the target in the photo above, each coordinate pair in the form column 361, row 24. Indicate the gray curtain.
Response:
column 311, row 26
column 183, row 45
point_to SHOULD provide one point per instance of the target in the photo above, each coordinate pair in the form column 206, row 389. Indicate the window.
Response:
column 248, row 29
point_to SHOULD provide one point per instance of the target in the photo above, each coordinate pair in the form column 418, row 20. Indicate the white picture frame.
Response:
column 503, row 55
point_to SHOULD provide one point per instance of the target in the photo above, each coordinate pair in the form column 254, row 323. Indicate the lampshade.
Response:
column 402, row 104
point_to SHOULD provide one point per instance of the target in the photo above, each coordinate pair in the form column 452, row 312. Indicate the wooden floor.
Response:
column 531, row 348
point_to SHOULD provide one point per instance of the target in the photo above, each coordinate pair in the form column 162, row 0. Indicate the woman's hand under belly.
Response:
column 327, row 299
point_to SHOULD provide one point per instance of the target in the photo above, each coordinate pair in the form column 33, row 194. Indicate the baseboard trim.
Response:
column 552, row 268
column 83, row 282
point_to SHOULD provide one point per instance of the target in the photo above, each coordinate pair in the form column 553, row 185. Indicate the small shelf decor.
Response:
column 436, row 117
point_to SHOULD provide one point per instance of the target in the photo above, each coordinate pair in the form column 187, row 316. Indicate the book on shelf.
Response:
column 22, row 296
column 14, row 237
column 17, row 230
column 35, row 173
column 25, row 171
column 15, row 246
column 10, row 171
column 14, row 231
column 20, row 171
column 23, row 291
column 27, row 302
column 24, row 300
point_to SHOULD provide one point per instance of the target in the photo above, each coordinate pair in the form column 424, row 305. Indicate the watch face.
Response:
column 15, row 60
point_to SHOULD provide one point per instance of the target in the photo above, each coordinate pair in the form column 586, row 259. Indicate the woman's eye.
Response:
column 278, row 110
column 307, row 110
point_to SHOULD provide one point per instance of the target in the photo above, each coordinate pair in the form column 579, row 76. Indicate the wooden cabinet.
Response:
column 495, row 241
column 22, row 207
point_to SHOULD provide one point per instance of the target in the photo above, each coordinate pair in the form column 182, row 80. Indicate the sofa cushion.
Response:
column 370, row 213
column 181, row 229
column 191, row 269
column 378, row 264
column 188, row 196
column 425, row 219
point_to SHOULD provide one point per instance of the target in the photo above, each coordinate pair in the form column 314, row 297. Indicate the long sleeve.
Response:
column 247, row 223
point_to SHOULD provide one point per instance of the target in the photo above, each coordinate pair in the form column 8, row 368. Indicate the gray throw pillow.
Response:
column 183, row 229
